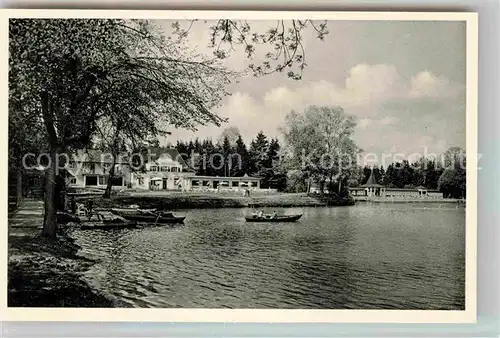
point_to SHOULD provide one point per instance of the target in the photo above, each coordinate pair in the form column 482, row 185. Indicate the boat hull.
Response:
column 278, row 219
column 109, row 226
column 152, row 219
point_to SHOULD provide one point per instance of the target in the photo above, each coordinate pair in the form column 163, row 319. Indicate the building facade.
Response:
column 165, row 170
column 216, row 183
column 91, row 169
column 372, row 189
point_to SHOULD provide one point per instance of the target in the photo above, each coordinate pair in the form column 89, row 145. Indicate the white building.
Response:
column 165, row 170
column 91, row 169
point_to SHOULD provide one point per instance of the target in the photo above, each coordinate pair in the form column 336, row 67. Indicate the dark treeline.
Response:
column 235, row 159
column 447, row 175
column 262, row 159
column 405, row 174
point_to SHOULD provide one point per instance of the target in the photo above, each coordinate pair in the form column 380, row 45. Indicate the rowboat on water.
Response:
column 269, row 218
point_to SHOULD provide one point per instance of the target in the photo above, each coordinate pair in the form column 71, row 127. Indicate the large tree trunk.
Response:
column 322, row 185
column 109, row 185
column 50, row 218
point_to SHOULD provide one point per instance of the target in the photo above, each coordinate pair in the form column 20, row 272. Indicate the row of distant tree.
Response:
column 402, row 174
column 230, row 156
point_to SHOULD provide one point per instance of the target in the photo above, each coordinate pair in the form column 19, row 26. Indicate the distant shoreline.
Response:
column 202, row 200
column 408, row 200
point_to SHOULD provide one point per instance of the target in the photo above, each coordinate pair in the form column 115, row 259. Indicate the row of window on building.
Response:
column 165, row 169
column 197, row 183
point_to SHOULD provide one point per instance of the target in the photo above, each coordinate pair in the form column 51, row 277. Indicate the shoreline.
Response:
column 410, row 200
column 47, row 273
column 179, row 201
column 199, row 200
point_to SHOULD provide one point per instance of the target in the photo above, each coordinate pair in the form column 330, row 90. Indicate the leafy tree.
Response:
column 452, row 181
column 356, row 177
column 320, row 142
column 232, row 133
column 296, row 181
column 26, row 134
column 452, row 156
column 73, row 71
column 282, row 43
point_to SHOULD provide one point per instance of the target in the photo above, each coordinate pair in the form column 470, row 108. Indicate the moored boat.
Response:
column 108, row 225
column 269, row 218
column 149, row 216
column 107, row 220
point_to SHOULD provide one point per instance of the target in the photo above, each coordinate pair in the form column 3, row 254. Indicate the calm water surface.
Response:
column 403, row 256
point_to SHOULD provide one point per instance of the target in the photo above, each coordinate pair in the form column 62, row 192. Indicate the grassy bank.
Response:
column 45, row 273
column 193, row 200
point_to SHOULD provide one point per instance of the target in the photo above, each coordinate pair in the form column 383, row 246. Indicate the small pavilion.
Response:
column 422, row 191
column 372, row 188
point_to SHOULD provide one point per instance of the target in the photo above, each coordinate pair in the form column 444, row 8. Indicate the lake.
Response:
column 368, row 256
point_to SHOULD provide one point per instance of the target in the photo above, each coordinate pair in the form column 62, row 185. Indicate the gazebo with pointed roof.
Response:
column 372, row 188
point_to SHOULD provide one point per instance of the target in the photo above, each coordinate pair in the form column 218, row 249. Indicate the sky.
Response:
column 403, row 81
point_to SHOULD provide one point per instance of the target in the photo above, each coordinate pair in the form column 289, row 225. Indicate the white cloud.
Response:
column 426, row 84
column 364, row 123
column 388, row 120
column 373, row 83
column 365, row 93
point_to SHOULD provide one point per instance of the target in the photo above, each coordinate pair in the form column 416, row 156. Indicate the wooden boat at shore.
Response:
column 106, row 220
column 268, row 218
column 109, row 225
column 149, row 216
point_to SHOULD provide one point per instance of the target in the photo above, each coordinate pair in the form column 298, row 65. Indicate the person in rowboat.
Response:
column 274, row 215
column 260, row 214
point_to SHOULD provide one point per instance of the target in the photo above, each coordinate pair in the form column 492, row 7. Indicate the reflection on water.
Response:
column 399, row 256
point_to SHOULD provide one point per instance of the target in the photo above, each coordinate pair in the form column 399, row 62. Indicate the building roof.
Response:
column 98, row 156
column 371, row 182
column 156, row 152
